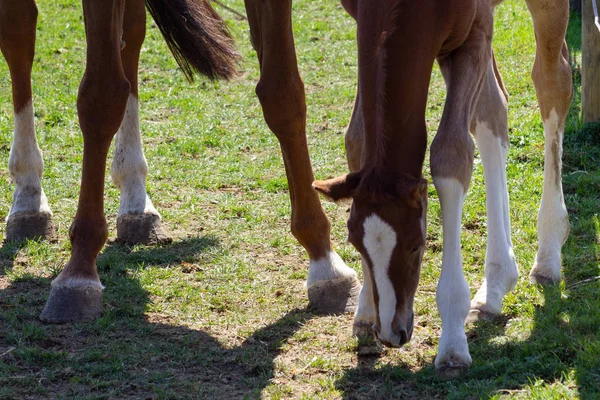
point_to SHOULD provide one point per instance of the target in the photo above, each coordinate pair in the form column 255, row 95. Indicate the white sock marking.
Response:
column 26, row 166
column 452, row 295
column 380, row 241
column 365, row 312
column 129, row 167
column 553, row 222
column 75, row 283
column 327, row 268
column 501, row 271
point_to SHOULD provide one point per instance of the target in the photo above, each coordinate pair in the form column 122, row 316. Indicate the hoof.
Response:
column 476, row 315
column 544, row 280
column 335, row 296
column 141, row 229
column 30, row 225
column 451, row 371
column 363, row 330
column 67, row 304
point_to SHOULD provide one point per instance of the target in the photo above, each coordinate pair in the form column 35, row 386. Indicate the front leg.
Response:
column 366, row 314
column 332, row 286
column 452, row 153
column 490, row 127
column 76, row 293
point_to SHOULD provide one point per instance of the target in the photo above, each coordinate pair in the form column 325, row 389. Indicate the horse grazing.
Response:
column 107, row 106
column 398, row 42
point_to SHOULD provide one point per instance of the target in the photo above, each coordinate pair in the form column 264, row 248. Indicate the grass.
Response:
column 221, row 312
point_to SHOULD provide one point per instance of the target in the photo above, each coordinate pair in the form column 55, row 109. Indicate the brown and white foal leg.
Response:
column 137, row 221
column 489, row 125
column 366, row 314
column 332, row 286
column 553, row 85
column 452, row 154
column 77, row 292
column 30, row 216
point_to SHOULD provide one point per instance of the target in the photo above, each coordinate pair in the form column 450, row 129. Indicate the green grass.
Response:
column 221, row 312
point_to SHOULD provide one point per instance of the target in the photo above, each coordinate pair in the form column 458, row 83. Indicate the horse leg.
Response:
column 452, row 153
column 489, row 125
column 30, row 216
column 137, row 221
column 77, row 292
column 366, row 314
column 332, row 286
column 554, row 89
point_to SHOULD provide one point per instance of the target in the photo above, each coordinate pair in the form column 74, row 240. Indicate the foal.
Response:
column 398, row 42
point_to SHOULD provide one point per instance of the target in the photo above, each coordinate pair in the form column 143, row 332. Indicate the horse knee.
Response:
column 452, row 157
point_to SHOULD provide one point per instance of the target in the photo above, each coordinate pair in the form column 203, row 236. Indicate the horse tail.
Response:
column 198, row 38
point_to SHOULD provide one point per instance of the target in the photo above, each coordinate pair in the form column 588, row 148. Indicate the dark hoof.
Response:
column 335, row 296
column 30, row 225
column 67, row 304
column 451, row 371
column 476, row 315
column 141, row 229
column 537, row 278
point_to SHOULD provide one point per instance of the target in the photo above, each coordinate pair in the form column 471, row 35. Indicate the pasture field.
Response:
column 221, row 313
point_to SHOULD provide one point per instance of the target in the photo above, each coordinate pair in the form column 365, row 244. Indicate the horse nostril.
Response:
column 403, row 335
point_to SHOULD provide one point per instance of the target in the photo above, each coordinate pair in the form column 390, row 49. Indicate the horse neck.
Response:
column 393, row 84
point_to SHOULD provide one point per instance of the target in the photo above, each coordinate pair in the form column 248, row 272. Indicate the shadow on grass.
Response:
column 124, row 354
column 564, row 340
column 8, row 253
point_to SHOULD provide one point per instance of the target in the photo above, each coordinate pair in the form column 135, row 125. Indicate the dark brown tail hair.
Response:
column 197, row 37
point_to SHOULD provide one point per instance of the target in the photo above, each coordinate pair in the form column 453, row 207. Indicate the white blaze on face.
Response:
column 380, row 241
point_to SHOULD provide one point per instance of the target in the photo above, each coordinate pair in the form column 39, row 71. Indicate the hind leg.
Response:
column 552, row 80
column 137, row 221
column 77, row 292
column 332, row 286
column 489, row 126
column 30, row 216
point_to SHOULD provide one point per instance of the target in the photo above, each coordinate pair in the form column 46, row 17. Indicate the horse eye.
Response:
column 415, row 249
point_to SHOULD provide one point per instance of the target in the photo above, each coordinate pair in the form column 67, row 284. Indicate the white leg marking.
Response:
column 365, row 313
column 553, row 219
column 452, row 292
column 129, row 168
column 26, row 166
column 380, row 241
column 501, row 272
column 327, row 268
column 75, row 283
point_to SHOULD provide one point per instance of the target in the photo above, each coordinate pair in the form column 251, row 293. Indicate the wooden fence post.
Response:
column 590, row 64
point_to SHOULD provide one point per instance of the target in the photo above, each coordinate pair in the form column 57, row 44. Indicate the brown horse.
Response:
column 107, row 105
column 398, row 42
